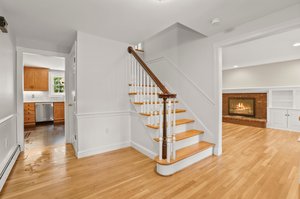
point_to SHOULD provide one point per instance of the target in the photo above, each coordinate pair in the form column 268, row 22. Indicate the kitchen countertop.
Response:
column 42, row 101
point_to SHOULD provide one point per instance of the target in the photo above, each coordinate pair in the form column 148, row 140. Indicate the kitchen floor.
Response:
column 44, row 135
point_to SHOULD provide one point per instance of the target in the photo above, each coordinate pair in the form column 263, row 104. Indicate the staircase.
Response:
column 179, row 143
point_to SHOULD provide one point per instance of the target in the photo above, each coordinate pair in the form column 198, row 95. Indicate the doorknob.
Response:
column 70, row 104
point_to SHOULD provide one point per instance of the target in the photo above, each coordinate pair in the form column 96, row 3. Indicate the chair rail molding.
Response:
column 103, row 114
column 5, row 119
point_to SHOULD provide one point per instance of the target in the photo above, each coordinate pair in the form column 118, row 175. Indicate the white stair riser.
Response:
column 188, row 142
column 167, row 170
column 178, row 116
column 178, row 129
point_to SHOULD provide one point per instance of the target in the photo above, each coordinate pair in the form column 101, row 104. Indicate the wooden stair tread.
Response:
column 141, row 103
column 185, row 134
column 177, row 111
column 186, row 152
column 178, row 122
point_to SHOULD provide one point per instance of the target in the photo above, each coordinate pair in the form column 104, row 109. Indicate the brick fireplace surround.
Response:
column 260, row 119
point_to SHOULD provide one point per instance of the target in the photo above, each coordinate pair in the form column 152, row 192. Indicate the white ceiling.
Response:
column 54, row 63
column 271, row 49
column 55, row 21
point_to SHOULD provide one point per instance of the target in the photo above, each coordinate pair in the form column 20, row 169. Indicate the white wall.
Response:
column 102, row 95
column 8, row 136
column 267, row 75
column 190, row 65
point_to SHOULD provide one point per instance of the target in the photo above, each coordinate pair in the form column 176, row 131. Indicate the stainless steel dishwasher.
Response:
column 44, row 111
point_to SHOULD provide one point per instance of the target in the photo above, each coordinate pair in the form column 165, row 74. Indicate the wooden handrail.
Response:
column 166, row 93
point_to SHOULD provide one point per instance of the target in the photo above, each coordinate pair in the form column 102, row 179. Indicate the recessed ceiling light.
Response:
column 296, row 44
column 215, row 21
column 235, row 66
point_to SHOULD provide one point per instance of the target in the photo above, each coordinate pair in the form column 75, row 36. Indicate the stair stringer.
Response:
column 141, row 136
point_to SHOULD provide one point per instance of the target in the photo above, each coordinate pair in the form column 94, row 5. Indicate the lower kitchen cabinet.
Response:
column 29, row 114
column 59, row 112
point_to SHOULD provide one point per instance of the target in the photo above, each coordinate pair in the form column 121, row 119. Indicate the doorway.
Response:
column 48, row 111
column 44, row 101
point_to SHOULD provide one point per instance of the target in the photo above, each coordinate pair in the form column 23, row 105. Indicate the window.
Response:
column 57, row 83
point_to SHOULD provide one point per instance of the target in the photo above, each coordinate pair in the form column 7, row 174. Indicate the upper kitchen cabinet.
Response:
column 36, row 79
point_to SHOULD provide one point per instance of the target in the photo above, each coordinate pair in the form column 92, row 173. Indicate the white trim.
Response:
column 41, row 52
column 184, row 75
column 265, row 88
column 5, row 119
column 102, row 149
column 9, row 168
column 143, row 150
column 284, row 108
column 102, row 114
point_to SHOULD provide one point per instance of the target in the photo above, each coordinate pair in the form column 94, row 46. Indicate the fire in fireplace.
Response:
column 242, row 106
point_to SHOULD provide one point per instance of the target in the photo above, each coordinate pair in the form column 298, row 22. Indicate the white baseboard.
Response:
column 102, row 149
column 143, row 150
column 9, row 168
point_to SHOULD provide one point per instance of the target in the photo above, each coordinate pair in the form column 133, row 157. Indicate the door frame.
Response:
column 20, row 87
column 218, row 57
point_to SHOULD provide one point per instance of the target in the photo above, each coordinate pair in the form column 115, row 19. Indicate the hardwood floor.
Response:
column 256, row 163
column 44, row 135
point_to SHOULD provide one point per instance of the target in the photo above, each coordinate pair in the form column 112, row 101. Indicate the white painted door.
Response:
column 278, row 118
column 294, row 120
column 72, row 125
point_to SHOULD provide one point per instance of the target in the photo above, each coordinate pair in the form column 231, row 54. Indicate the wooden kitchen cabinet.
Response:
column 59, row 112
column 29, row 114
column 36, row 79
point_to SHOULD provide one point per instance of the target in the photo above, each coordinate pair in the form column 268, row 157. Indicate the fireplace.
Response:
column 241, row 106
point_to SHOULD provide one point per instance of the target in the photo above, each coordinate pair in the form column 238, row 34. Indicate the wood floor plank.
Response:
column 256, row 164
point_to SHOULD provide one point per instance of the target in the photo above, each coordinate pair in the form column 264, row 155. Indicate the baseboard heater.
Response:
column 8, row 162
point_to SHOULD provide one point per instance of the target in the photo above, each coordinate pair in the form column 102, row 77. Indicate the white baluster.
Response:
column 151, row 102
column 141, row 93
column 160, row 131
column 173, row 130
column 141, row 81
column 169, row 125
column 134, row 78
column 132, row 74
column 144, row 90
column 148, row 92
column 156, row 105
